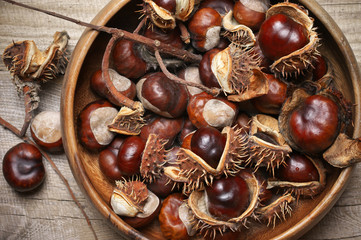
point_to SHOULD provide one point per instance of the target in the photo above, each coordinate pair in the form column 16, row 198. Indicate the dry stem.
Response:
column 154, row 44
column 19, row 134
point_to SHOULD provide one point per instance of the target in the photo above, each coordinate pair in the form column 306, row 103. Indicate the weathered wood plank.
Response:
column 50, row 213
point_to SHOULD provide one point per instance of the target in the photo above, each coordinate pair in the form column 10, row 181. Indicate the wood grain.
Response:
column 50, row 212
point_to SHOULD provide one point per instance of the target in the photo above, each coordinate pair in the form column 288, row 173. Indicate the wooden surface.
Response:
column 50, row 212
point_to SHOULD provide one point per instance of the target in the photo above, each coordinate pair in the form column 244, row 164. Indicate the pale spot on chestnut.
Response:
column 99, row 121
column 218, row 114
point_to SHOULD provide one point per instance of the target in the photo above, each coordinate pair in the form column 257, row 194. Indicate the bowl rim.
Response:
column 69, row 132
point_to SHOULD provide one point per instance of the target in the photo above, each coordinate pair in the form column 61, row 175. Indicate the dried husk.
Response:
column 153, row 158
column 304, row 189
column 129, row 197
column 238, row 34
column 195, row 172
column 262, row 152
column 279, row 208
column 128, row 121
column 159, row 16
column 344, row 152
column 184, row 8
column 294, row 63
column 206, row 224
column 25, row 61
column 238, row 74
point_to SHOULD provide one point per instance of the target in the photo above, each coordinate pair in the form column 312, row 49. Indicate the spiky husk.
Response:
column 25, row 61
column 298, row 61
column 153, row 158
column 159, row 16
column 277, row 209
column 233, row 68
column 304, row 189
column 128, row 121
column 206, row 224
column 184, row 8
column 238, row 34
column 134, row 192
column 194, row 171
column 262, row 152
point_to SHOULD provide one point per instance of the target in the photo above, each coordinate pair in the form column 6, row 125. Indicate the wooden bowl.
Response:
column 86, row 59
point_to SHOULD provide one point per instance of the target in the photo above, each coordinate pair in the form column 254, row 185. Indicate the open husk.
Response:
column 206, row 224
column 297, row 61
column 238, row 74
column 267, row 146
column 195, row 172
column 238, row 34
column 304, row 189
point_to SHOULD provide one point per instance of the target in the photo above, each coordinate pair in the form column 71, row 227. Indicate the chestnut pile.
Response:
column 210, row 163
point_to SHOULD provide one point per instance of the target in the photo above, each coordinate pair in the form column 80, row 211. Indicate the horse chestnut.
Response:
column 205, row 110
column 280, row 35
column 298, row 168
column 205, row 70
column 314, row 125
column 126, row 60
column 121, row 83
column 271, row 102
column 227, row 197
column 208, row 143
column 250, row 13
column 130, row 155
column 171, row 224
column 45, row 130
column 162, row 95
column 108, row 162
column 23, row 168
column 205, row 27
column 93, row 124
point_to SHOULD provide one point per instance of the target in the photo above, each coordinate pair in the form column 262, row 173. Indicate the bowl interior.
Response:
column 85, row 164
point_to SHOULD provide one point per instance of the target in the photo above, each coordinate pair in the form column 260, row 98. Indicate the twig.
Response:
column 154, row 44
column 213, row 91
column 28, row 111
column 123, row 100
column 18, row 133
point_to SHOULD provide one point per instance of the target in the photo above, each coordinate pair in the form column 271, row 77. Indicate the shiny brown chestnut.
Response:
column 127, row 61
column 222, row 7
column 205, row 110
column 205, row 71
column 165, row 128
column 108, row 162
column 227, row 197
column 162, row 95
column 205, row 27
column 45, row 130
column 271, row 102
column 250, row 13
column 315, row 124
column 130, row 154
column 298, row 168
column 320, row 68
column 93, row 122
column 23, row 168
column 121, row 83
column 171, row 224
column 208, row 143
column 280, row 35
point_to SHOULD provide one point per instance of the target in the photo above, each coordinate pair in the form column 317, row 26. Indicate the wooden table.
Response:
column 50, row 212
